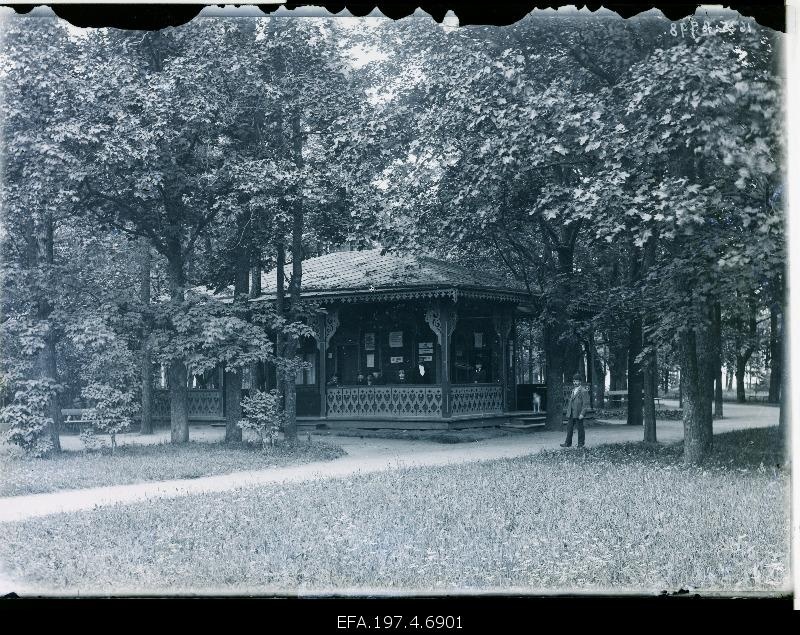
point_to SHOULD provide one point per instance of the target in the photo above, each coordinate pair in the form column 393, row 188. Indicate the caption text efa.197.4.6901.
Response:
column 388, row 622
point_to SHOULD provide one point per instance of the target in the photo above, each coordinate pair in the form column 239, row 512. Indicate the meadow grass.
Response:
column 141, row 463
column 613, row 518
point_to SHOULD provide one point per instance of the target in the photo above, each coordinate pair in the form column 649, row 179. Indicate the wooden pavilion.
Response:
column 401, row 341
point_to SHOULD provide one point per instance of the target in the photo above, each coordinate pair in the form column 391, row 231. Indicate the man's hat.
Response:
column 577, row 376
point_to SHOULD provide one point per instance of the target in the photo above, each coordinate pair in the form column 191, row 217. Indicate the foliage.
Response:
column 90, row 440
column 108, row 373
column 27, row 418
column 203, row 332
column 111, row 411
column 263, row 415
column 605, row 167
column 580, row 153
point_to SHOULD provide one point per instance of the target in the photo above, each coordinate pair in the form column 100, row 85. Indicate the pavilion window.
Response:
column 210, row 379
column 308, row 375
column 476, row 352
column 160, row 377
column 396, row 354
column 247, row 378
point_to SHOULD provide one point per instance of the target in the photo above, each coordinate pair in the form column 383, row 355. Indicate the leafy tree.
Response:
column 617, row 133
column 39, row 92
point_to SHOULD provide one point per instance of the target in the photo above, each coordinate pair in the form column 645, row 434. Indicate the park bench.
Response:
column 616, row 397
column 621, row 396
column 73, row 419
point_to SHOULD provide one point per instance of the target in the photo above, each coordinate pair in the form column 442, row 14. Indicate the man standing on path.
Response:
column 576, row 409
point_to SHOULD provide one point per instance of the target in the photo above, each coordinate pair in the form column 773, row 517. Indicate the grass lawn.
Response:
column 141, row 463
column 614, row 518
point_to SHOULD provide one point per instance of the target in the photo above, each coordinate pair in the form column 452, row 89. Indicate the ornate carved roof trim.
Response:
column 391, row 295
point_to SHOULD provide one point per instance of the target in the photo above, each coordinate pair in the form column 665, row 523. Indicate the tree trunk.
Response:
column 634, row 372
column 146, row 367
column 741, row 366
column 696, row 384
column 598, row 380
column 233, row 376
column 650, row 388
column 572, row 359
column 178, row 403
column 46, row 361
column 647, row 371
column 617, row 363
column 589, row 354
column 255, row 281
column 554, row 360
column 716, row 334
column 47, row 370
column 718, row 408
column 280, row 309
column 178, row 392
column 745, row 349
column 596, row 377
column 530, row 352
column 295, row 284
column 257, row 379
column 776, row 357
column 146, row 359
column 233, row 406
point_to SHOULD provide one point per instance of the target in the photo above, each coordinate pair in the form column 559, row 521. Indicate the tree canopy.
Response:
column 629, row 176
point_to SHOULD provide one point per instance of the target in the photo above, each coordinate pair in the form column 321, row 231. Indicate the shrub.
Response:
column 28, row 418
column 112, row 411
column 262, row 415
column 91, row 442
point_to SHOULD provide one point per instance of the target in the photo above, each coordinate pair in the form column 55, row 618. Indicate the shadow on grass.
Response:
column 736, row 450
column 136, row 463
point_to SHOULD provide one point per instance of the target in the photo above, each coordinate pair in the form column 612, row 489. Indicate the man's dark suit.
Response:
column 577, row 406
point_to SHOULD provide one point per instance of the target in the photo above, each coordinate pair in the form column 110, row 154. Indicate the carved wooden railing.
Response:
column 204, row 405
column 476, row 398
column 345, row 402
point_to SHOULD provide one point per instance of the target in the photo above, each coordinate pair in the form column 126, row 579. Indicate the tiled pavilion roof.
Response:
column 371, row 274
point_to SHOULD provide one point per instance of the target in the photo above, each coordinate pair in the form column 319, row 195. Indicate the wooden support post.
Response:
column 444, row 312
column 441, row 318
column 512, row 345
column 503, row 323
column 504, row 371
column 590, row 373
column 322, row 370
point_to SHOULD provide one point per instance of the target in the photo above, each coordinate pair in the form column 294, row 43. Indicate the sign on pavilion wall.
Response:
column 396, row 339
column 425, row 351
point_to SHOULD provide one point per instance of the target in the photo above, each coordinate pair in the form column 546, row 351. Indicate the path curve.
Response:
column 364, row 456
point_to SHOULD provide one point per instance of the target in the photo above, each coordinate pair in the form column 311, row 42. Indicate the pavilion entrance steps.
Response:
column 520, row 420
column 525, row 420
